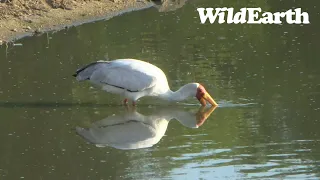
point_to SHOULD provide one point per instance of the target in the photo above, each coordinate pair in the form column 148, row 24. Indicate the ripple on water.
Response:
column 204, row 153
column 286, row 160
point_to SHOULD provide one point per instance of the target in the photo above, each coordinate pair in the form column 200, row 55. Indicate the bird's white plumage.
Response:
column 129, row 77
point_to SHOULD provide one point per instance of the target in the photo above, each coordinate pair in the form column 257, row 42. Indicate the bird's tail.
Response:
column 85, row 72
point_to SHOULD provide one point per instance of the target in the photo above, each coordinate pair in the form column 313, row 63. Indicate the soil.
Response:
column 19, row 18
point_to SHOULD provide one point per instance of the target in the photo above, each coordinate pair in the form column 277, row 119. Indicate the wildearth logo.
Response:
column 252, row 16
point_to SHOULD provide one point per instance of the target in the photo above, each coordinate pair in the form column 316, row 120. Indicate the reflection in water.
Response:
column 133, row 130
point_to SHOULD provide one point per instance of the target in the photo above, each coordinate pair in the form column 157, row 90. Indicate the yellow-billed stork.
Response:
column 134, row 79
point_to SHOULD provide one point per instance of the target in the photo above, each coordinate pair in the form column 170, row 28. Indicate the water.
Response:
column 265, row 77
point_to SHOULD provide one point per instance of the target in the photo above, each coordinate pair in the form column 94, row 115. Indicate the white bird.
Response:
column 134, row 79
column 132, row 130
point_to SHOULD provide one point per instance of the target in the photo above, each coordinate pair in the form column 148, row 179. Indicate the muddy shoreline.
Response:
column 13, row 28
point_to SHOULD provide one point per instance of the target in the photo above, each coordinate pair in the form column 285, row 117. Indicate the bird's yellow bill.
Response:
column 206, row 97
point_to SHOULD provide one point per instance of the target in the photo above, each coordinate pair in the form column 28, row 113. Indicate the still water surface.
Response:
column 265, row 77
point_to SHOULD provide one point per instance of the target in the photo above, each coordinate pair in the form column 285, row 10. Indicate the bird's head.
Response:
column 203, row 96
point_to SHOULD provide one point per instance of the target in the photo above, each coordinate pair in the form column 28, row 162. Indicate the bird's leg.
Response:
column 133, row 108
column 125, row 101
column 127, row 107
column 130, row 109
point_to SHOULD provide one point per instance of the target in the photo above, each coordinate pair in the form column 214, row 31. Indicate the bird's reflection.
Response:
column 132, row 130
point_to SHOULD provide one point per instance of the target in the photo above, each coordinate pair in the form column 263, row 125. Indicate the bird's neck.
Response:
column 180, row 95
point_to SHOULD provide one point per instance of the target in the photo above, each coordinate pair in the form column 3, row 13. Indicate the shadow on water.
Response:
column 132, row 130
